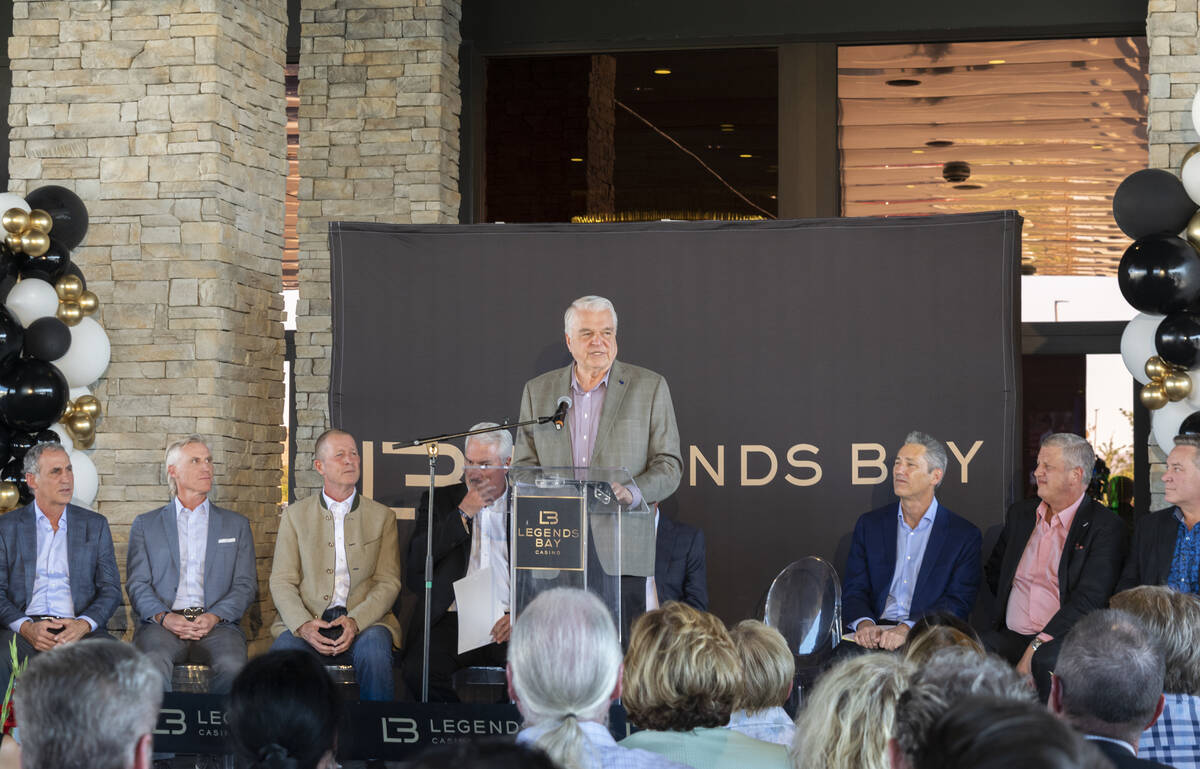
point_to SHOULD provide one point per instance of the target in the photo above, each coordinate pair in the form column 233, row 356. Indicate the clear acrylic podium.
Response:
column 567, row 529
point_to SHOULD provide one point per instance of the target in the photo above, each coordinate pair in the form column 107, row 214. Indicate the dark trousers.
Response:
column 444, row 659
column 1011, row 645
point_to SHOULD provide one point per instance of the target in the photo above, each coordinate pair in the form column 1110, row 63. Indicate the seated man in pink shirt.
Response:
column 1057, row 559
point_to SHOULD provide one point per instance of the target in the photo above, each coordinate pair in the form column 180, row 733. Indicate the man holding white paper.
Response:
column 470, row 597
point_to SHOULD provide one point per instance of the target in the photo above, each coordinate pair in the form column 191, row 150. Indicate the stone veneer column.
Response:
column 379, row 107
column 168, row 118
column 1171, row 31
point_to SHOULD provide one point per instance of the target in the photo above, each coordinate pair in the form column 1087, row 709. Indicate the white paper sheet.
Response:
column 479, row 609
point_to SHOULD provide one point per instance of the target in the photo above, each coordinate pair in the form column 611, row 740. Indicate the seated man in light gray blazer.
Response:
column 58, row 573
column 190, row 573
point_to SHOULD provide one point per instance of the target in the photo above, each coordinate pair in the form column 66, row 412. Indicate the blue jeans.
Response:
column 370, row 654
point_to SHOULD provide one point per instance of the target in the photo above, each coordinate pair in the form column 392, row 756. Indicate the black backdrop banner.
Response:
column 798, row 353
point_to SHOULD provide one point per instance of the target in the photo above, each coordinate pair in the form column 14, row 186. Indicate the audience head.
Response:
column 92, row 704
column 681, row 670
column 1064, row 469
column 564, row 665
column 990, row 733
column 1174, row 619
column 283, row 712
column 849, row 717
column 945, row 677
column 768, row 666
column 939, row 631
column 483, row 754
column 1108, row 680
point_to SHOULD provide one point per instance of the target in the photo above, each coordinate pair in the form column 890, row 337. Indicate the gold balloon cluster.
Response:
column 1167, row 384
column 73, row 301
column 80, row 420
column 27, row 231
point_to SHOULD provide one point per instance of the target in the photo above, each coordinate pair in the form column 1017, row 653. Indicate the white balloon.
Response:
column 1165, row 422
column 1190, row 176
column 9, row 200
column 32, row 299
column 64, row 437
column 87, row 480
column 1137, row 344
column 88, row 355
column 1196, row 111
column 75, row 392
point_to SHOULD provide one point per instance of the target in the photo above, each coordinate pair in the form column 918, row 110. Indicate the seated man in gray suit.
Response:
column 190, row 573
column 58, row 572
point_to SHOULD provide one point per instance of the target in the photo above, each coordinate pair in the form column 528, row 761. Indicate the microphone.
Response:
column 560, row 415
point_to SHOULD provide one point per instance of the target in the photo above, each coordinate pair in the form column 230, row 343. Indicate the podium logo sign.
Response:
column 548, row 533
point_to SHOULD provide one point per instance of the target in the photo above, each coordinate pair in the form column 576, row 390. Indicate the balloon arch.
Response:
column 51, row 348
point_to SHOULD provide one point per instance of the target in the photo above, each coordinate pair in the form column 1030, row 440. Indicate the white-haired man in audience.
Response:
column 564, row 671
column 88, row 705
column 1108, row 684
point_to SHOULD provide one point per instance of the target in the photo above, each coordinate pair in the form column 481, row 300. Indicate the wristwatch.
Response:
column 1035, row 643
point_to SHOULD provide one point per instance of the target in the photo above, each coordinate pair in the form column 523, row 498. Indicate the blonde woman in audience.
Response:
column 851, row 714
column 768, row 668
column 682, row 678
column 1174, row 619
column 934, row 632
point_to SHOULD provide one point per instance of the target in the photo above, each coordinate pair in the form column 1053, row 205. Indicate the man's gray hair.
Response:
column 501, row 440
column 174, row 452
column 1076, row 451
column 30, row 465
column 935, row 452
column 84, row 705
column 1111, row 671
column 1190, row 439
column 587, row 303
column 564, row 661
column 947, row 677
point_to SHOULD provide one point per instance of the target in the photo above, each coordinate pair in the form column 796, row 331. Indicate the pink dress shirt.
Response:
column 1035, row 596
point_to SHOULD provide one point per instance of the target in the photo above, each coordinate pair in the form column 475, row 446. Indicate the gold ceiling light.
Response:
column 662, row 71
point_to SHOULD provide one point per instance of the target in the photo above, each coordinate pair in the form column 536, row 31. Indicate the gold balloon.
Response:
column 69, row 288
column 1154, row 396
column 84, row 441
column 35, row 243
column 1192, row 233
column 15, row 220
column 40, row 220
column 1188, row 155
column 13, row 241
column 10, row 496
column 69, row 313
column 80, row 424
column 88, row 302
column 90, row 405
column 1177, row 385
column 1156, row 367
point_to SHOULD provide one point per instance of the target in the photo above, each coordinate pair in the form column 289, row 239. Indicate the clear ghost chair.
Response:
column 804, row 604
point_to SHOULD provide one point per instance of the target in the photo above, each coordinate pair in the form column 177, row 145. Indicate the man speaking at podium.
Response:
column 620, row 416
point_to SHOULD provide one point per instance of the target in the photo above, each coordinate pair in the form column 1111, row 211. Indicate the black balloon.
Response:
column 5, row 444
column 47, row 339
column 13, row 472
column 10, row 268
column 1177, row 339
column 1191, row 424
column 12, row 337
column 21, row 442
column 66, row 209
column 1149, row 202
column 1160, row 274
column 48, row 436
column 49, row 266
column 33, row 394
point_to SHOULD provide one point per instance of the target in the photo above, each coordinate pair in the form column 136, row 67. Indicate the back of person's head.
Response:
column 991, row 733
column 564, row 664
column 949, row 675
column 1174, row 619
column 847, row 720
column 929, row 635
column 483, row 754
column 283, row 712
column 681, row 670
column 1108, row 680
column 91, row 704
column 768, row 666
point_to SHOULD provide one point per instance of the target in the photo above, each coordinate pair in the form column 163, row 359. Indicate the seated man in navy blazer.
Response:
column 911, row 558
column 190, row 573
column 58, row 572
column 1166, row 543
column 679, row 566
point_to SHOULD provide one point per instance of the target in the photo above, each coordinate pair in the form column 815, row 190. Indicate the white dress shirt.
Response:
column 52, row 575
column 341, row 572
column 193, row 547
